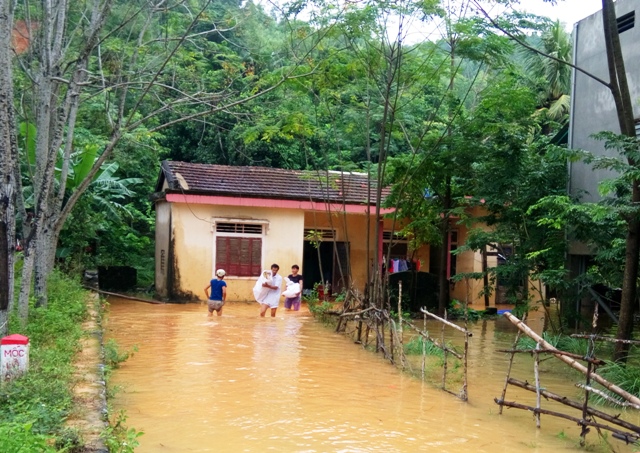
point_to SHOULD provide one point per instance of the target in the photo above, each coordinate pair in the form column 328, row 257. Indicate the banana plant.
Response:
column 106, row 191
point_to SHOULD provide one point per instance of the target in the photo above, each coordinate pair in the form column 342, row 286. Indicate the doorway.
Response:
column 330, row 257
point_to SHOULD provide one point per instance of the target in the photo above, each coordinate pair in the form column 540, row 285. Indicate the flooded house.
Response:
column 243, row 219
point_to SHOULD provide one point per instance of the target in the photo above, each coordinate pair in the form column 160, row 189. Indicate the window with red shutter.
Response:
column 238, row 255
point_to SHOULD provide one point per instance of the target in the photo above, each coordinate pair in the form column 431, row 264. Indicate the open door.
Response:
column 332, row 258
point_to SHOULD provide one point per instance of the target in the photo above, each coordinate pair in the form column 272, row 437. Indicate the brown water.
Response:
column 240, row 383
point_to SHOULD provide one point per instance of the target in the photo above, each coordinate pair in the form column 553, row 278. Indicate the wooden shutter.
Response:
column 241, row 257
column 222, row 253
column 256, row 256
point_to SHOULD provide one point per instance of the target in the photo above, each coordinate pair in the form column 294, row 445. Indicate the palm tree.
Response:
column 551, row 78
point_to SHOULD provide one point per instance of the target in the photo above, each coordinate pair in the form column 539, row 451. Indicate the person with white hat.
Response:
column 218, row 293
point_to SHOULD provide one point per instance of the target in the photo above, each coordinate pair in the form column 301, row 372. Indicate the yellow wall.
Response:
column 468, row 290
column 193, row 240
column 193, row 246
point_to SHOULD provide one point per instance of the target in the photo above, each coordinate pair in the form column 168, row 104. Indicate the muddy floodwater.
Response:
column 240, row 383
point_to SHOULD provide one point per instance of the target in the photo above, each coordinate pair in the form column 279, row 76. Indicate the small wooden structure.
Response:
column 589, row 417
column 373, row 321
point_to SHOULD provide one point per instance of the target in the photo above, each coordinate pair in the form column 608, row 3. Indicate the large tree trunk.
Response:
column 44, row 262
column 8, row 161
column 624, row 108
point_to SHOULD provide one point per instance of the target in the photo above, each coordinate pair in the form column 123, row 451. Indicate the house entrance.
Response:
column 330, row 257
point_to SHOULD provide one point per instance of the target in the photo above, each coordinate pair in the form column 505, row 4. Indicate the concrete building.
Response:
column 592, row 106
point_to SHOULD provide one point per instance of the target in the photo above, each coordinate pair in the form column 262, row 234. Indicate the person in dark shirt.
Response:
column 294, row 302
column 218, row 293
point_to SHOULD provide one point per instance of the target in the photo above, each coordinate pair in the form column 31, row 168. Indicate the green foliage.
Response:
column 37, row 404
column 319, row 307
column 118, row 437
column 416, row 345
column 20, row 438
column 562, row 342
column 114, row 356
column 625, row 376
column 458, row 310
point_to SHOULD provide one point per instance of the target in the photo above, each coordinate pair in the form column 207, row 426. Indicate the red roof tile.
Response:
column 263, row 182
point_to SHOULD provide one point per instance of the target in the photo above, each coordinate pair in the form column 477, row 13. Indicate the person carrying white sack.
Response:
column 267, row 290
column 293, row 293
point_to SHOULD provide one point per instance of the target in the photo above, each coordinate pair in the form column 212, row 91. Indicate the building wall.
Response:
column 163, row 248
column 593, row 109
column 189, row 248
column 193, row 246
column 468, row 290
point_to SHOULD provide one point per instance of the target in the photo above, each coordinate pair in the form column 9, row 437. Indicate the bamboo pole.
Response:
column 536, row 373
column 358, row 313
column 465, row 383
column 444, row 321
column 597, row 362
column 615, row 419
column 603, row 395
column 400, row 329
column 434, row 341
column 424, row 343
column 573, row 363
column 630, row 436
column 590, row 367
column 603, row 338
column 124, row 296
column 506, row 381
column 444, row 353
column 392, row 336
column 585, row 407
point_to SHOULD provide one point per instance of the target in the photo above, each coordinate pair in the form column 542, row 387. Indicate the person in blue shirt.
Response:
column 218, row 293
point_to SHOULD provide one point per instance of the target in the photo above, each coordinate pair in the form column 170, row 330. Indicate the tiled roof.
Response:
column 263, row 182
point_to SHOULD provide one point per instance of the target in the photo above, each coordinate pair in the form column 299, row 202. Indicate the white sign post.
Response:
column 14, row 356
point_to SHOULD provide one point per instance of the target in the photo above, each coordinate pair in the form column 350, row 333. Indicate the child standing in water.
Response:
column 218, row 293
column 294, row 302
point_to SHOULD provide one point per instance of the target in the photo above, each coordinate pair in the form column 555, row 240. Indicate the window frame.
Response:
column 391, row 239
column 264, row 224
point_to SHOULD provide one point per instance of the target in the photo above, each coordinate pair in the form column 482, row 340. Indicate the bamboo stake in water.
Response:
column 400, row 328
column 573, row 363
column 424, row 344
column 513, row 354
column 464, row 394
column 444, row 351
column 536, row 372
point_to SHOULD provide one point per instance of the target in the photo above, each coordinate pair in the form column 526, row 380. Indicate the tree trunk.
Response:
column 443, row 281
column 624, row 109
column 25, row 285
column 44, row 261
column 8, row 162
column 629, row 281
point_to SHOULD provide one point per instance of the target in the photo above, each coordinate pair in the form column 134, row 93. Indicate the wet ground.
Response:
column 241, row 383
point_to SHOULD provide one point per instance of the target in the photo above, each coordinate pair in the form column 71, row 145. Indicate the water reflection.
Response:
column 240, row 383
